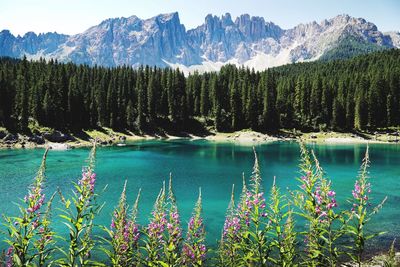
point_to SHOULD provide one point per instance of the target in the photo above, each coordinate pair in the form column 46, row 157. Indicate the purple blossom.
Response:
column 34, row 199
column 9, row 253
column 87, row 183
column 156, row 227
column 232, row 227
column 173, row 227
column 194, row 249
column 360, row 192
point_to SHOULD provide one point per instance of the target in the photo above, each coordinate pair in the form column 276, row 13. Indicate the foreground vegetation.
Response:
column 260, row 229
column 354, row 94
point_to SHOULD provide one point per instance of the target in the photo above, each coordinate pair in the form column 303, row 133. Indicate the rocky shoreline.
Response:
column 61, row 141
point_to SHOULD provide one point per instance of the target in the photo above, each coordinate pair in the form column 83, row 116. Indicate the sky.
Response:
column 75, row 16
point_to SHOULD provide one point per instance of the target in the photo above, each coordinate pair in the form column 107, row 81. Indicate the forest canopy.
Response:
column 353, row 94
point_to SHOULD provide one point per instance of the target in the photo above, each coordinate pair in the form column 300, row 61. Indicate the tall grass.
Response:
column 259, row 229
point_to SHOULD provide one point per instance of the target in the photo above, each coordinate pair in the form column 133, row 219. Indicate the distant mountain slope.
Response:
column 349, row 47
column 164, row 41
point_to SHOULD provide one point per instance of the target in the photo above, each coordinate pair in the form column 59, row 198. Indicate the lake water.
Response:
column 212, row 166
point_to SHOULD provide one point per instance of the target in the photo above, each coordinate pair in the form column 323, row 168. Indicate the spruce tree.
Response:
column 141, row 107
column 204, row 101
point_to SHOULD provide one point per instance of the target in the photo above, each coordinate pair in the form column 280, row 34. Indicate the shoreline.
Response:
column 108, row 137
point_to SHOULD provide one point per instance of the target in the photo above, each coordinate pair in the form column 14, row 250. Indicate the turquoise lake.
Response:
column 212, row 166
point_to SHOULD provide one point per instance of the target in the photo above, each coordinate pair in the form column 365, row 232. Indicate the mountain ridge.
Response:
column 164, row 41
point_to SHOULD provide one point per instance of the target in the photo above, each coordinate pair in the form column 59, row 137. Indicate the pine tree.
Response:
column 360, row 110
column 141, row 119
column 151, row 88
column 392, row 105
column 235, row 106
column 326, row 104
column 376, row 103
column 338, row 116
column 270, row 116
column 350, row 110
column 130, row 115
column 251, row 115
column 21, row 104
column 315, row 101
column 204, row 101
column 172, row 106
column 298, row 100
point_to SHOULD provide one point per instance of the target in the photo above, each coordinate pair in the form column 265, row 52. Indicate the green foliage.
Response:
column 78, row 213
column 123, row 234
column 30, row 237
column 228, row 249
column 316, row 203
column 361, row 213
column 194, row 249
column 282, row 229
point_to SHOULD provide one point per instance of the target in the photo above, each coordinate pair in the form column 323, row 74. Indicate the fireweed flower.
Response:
column 362, row 188
column 35, row 198
column 232, row 227
column 24, row 230
column 254, row 220
column 79, row 213
column 194, row 249
column 172, row 246
column 316, row 201
column 325, row 201
column 253, row 206
column 131, row 234
column 155, row 230
column 9, row 253
column 360, row 213
column 361, row 193
column 231, row 236
column 86, row 184
column 282, row 228
column 243, row 210
column 124, row 233
column 45, row 233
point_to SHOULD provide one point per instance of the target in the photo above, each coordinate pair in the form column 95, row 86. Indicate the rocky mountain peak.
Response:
column 164, row 41
column 174, row 17
column 226, row 20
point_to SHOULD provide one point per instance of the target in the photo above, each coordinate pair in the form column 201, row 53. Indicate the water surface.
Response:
column 212, row 166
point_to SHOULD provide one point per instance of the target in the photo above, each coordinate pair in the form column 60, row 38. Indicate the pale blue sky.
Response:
column 75, row 16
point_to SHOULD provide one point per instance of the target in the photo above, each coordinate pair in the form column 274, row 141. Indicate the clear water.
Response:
column 212, row 166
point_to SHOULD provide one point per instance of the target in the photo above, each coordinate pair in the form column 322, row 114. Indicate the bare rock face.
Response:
column 10, row 138
column 394, row 38
column 37, row 139
column 163, row 41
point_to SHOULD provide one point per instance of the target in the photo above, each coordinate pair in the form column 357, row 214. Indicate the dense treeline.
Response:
column 360, row 93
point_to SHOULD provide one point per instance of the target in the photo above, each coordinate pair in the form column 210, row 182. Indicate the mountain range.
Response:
column 164, row 41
